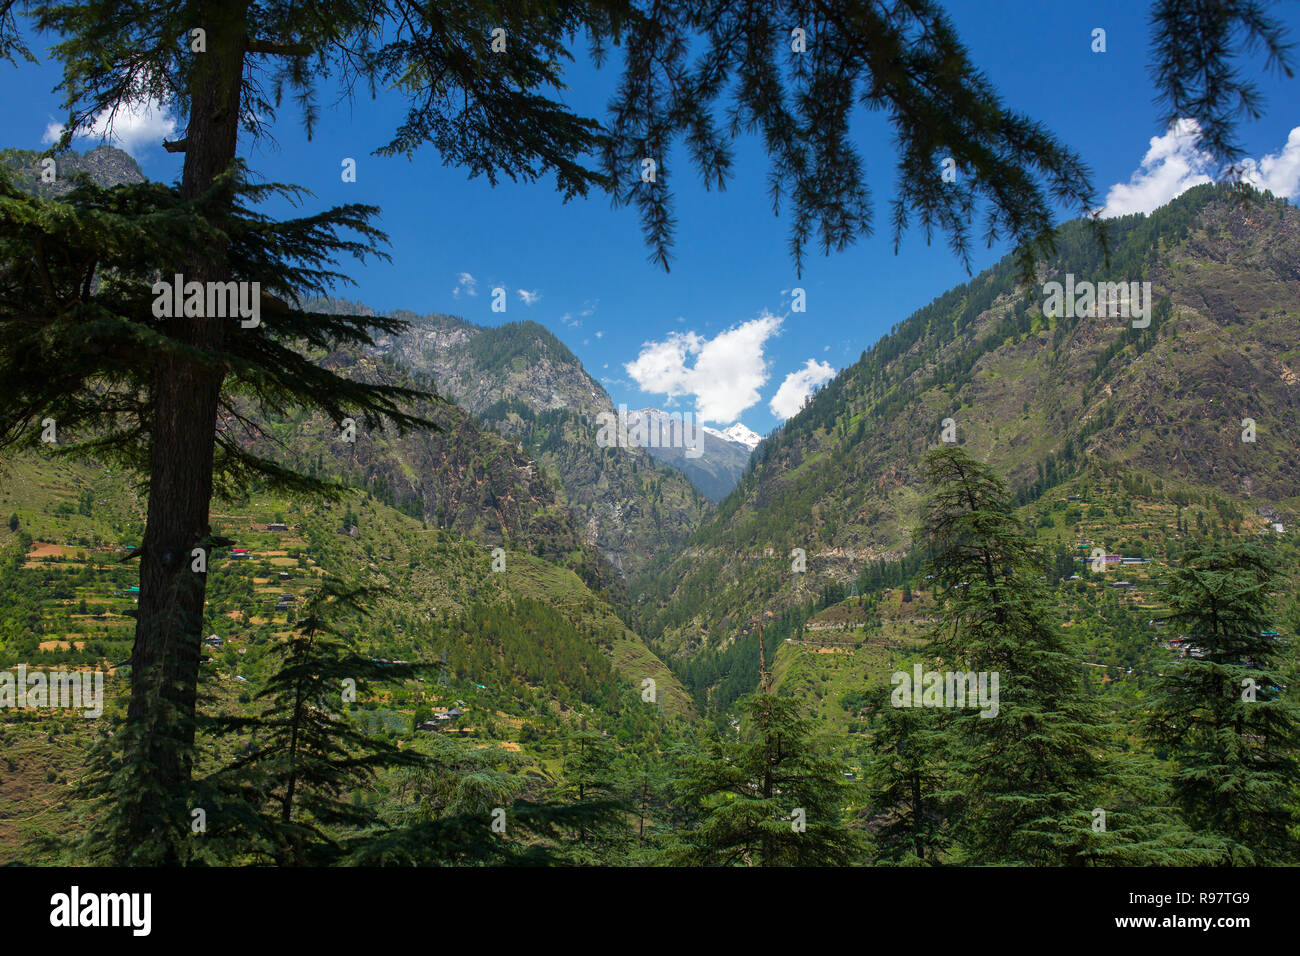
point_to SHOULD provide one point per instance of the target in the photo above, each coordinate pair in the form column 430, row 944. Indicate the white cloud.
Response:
column 727, row 373
column 135, row 126
column 465, row 283
column 798, row 385
column 1279, row 173
column 529, row 298
column 600, row 335
column 1172, row 165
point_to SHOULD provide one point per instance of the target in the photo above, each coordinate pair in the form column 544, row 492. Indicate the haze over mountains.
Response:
column 713, row 460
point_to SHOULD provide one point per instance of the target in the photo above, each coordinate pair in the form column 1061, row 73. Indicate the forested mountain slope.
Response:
column 1043, row 400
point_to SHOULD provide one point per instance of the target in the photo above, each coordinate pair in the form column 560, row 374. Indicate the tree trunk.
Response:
column 168, row 634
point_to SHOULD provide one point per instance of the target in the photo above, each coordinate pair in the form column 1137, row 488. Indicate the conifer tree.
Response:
column 1195, row 45
column 77, row 305
column 590, row 777
column 223, row 67
column 1220, row 712
column 283, row 799
column 460, row 780
column 769, row 796
column 907, row 809
column 1135, row 821
column 648, row 791
column 309, row 755
column 1023, row 773
column 469, row 805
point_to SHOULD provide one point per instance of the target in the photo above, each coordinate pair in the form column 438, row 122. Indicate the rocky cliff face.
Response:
column 105, row 166
column 461, row 476
column 525, row 383
column 479, row 367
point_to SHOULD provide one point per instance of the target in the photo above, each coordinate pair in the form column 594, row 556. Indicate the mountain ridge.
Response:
column 712, row 461
column 1042, row 399
column 522, row 381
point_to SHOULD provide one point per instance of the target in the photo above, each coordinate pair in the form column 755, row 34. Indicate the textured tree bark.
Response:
column 169, row 624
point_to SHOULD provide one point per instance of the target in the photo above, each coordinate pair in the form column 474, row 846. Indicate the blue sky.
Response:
column 715, row 335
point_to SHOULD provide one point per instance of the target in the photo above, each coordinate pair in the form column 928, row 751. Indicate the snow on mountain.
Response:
column 737, row 433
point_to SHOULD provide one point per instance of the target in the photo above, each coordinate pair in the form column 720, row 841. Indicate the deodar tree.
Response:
column 223, row 68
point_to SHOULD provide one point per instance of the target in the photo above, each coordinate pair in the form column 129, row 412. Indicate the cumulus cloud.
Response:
column 1279, row 173
column 135, row 126
column 529, row 298
column 798, row 385
column 466, row 284
column 727, row 370
column 1173, row 164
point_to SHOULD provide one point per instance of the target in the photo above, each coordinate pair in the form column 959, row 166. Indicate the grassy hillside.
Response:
column 529, row 652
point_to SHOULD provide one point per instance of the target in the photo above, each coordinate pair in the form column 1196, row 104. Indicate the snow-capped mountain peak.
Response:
column 737, row 433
